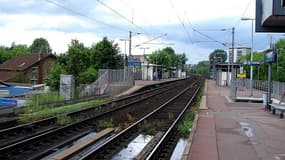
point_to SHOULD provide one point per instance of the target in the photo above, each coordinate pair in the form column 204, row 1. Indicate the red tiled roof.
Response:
column 22, row 62
column 6, row 75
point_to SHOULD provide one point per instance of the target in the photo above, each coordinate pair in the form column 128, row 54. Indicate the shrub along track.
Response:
column 37, row 139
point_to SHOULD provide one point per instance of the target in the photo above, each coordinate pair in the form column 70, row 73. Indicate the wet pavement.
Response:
column 236, row 131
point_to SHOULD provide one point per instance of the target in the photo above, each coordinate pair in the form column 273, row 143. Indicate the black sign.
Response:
column 270, row 57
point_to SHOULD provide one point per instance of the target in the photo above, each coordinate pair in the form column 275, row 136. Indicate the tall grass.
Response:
column 33, row 113
column 186, row 125
column 36, row 101
column 147, row 128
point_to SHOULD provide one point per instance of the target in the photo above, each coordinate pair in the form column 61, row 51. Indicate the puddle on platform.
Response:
column 133, row 148
column 179, row 149
column 248, row 131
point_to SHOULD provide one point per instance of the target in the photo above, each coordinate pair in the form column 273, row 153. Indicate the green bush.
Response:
column 33, row 113
column 147, row 128
column 185, row 127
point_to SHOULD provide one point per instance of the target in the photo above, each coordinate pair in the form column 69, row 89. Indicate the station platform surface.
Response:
column 236, row 130
column 142, row 83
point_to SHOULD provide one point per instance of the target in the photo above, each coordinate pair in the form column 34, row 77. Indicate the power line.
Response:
column 203, row 34
column 133, row 10
column 83, row 15
column 180, row 20
column 120, row 15
column 150, row 40
column 243, row 13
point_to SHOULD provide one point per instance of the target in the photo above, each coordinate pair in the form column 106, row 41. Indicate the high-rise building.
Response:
column 238, row 52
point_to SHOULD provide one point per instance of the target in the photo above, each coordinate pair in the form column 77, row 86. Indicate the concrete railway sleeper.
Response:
column 176, row 105
column 36, row 147
column 17, row 133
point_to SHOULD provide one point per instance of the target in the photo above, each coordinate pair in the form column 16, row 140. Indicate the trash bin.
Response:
column 265, row 99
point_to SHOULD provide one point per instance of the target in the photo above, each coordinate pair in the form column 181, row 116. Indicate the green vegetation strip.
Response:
column 32, row 114
column 185, row 127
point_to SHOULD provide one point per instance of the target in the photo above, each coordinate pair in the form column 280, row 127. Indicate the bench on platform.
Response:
column 276, row 106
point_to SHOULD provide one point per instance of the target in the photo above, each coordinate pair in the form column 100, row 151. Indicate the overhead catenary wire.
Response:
column 243, row 13
column 180, row 20
column 134, row 12
column 149, row 40
column 203, row 34
column 122, row 16
column 83, row 15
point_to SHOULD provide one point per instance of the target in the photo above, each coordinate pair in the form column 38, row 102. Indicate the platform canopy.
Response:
column 270, row 16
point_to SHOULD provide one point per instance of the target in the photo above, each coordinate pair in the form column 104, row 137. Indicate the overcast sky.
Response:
column 192, row 26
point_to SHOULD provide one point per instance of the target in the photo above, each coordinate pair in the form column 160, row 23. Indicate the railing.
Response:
column 259, row 87
column 96, row 88
column 111, row 82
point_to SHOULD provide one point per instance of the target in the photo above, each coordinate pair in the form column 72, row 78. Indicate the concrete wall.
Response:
column 221, row 78
column 67, row 86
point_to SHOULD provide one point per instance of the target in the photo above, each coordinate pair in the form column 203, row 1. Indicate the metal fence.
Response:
column 259, row 87
column 110, row 82
column 118, row 80
column 96, row 88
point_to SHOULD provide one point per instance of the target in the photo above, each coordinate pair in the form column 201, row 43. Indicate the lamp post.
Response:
column 251, row 54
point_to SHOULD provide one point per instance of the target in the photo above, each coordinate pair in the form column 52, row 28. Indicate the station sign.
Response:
column 5, row 102
column 270, row 56
column 251, row 63
column 241, row 75
column 133, row 61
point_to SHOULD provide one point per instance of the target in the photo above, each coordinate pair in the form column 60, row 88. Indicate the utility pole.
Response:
column 130, row 44
column 231, row 58
column 251, row 60
column 251, row 55
column 270, row 76
column 233, row 46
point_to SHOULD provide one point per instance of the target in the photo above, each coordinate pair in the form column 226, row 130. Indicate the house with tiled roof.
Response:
column 29, row 68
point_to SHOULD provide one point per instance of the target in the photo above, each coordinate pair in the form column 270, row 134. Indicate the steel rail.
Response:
column 103, row 148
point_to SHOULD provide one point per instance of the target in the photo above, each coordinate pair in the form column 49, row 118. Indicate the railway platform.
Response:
column 141, row 83
column 236, row 130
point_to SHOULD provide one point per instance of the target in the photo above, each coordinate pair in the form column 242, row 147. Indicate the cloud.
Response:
column 89, row 21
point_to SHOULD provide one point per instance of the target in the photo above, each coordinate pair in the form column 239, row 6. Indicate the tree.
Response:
column 14, row 50
column 40, row 45
column 88, row 76
column 168, row 58
column 203, row 68
column 4, row 54
column 77, row 59
column 105, row 55
column 181, row 61
column 20, row 49
column 54, row 76
column 217, row 56
column 164, row 57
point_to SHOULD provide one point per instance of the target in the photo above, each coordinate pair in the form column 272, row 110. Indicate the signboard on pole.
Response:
column 241, row 75
column 270, row 56
column 5, row 102
column 248, row 63
column 133, row 61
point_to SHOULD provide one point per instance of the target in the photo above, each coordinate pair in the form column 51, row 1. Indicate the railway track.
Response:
column 14, row 134
column 48, row 137
column 164, row 141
